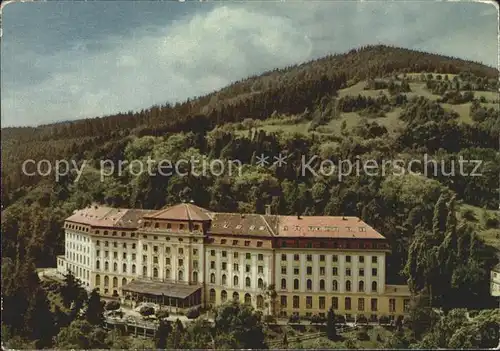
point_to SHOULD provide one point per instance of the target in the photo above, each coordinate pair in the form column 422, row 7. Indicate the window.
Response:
column 260, row 283
column 133, row 269
column 247, row 243
column 321, row 285
column 181, row 262
column 260, row 257
column 223, row 241
column 195, row 264
column 406, row 305
column 236, row 281
column 374, row 259
column 235, row 242
column 133, row 257
column 115, row 255
column 374, row 286
column 247, row 282
column 133, row 246
column 224, row 266
column 247, row 268
column 296, row 271
column 106, row 266
column 97, row 264
column 259, row 243
column 335, row 271
column 235, row 255
column 296, row 257
column 212, row 253
column 124, row 255
column 309, row 258
column 97, row 243
column 335, row 285
column 283, row 257
column 296, row 284
column 322, row 258
column 195, row 252
column 212, row 264
column 348, row 285
column 97, row 279
column 248, row 256
column 181, row 251
column 169, row 225
column 361, row 259
column 124, row 268
column 224, row 279
column 322, row 302
column 236, row 267
column 260, row 269
column 144, row 270
column 236, row 296
column 283, row 301
column 361, row 272
column 335, row 258
column 212, row 278
column 348, row 259
column 106, row 243
column 347, row 303
column 223, row 296
column 212, row 296
column 309, row 302
column 296, row 303
column 155, row 248
column 348, row 272
column 181, row 226
column 322, row 270
column 155, row 259
column 224, row 253
column 248, row 299
column 361, row 304
column 283, row 270
column 145, row 247
column 361, row 286
column 167, row 260
column 155, row 272
column 283, row 284
column 309, row 284
column 374, row 305
column 335, row 303
column 309, row 270
column 392, row 305
column 374, row 272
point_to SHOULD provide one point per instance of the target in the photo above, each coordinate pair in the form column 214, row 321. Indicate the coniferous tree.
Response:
column 95, row 309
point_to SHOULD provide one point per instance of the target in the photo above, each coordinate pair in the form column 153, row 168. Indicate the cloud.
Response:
column 200, row 51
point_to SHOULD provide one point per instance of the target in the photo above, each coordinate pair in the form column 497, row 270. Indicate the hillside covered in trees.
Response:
column 373, row 103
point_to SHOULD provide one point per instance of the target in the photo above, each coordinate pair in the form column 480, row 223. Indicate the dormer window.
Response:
column 362, row 229
column 226, row 225
column 238, row 226
column 252, row 227
column 169, row 225
column 181, row 226
column 157, row 225
column 262, row 227
column 235, row 242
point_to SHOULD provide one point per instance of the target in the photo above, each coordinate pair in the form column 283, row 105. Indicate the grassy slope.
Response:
column 490, row 236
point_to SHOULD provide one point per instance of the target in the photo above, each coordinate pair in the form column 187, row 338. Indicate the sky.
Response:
column 70, row 60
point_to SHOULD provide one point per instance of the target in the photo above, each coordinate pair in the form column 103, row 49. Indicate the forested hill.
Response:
column 376, row 102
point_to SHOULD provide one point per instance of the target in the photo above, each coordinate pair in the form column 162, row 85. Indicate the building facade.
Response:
column 495, row 281
column 185, row 255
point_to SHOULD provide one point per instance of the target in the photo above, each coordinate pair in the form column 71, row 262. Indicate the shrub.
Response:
column 147, row 310
column 294, row 318
column 383, row 320
column 339, row 319
column 362, row 335
column 317, row 319
column 362, row 320
column 269, row 319
column 469, row 215
column 193, row 312
column 491, row 222
column 112, row 306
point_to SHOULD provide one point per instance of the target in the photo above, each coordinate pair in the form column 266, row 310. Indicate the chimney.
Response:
column 268, row 210
column 298, row 215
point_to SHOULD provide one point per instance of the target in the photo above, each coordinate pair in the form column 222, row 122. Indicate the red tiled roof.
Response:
column 182, row 212
column 325, row 226
column 240, row 224
column 104, row 216
column 232, row 223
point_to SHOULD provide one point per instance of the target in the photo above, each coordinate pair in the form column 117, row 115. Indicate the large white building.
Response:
column 185, row 255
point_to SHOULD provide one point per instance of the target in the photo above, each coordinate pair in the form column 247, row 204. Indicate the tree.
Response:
column 331, row 330
column 239, row 326
column 40, row 320
column 95, row 309
column 175, row 339
column 162, row 334
column 285, row 341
